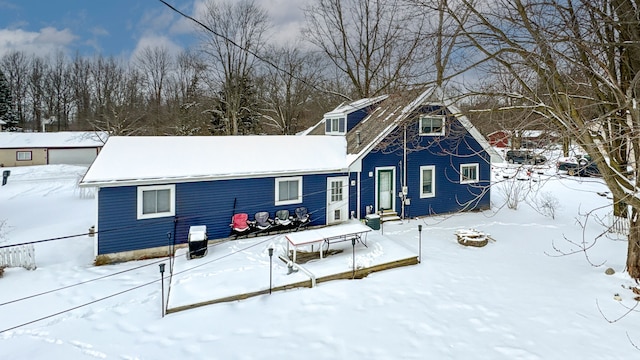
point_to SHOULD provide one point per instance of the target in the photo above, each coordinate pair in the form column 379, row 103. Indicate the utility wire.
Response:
column 157, row 221
column 131, row 289
column 80, row 283
column 253, row 53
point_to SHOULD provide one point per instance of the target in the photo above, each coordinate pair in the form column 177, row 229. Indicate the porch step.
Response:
column 389, row 216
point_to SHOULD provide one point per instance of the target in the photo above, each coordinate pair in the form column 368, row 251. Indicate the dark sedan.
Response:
column 584, row 167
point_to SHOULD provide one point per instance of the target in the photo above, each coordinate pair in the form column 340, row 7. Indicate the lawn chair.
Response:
column 240, row 225
column 261, row 222
column 283, row 221
column 301, row 218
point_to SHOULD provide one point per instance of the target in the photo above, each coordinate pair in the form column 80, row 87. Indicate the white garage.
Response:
column 64, row 147
column 77, row 156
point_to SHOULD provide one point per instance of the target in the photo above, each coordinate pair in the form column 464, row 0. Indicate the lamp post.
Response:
column 353, row 251
column 162, row 286
column 380, row 219
column 419, row 244
column 270, row 268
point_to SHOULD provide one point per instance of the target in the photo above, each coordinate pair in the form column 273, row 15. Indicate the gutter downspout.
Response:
column 404, row 170
column 358, row 193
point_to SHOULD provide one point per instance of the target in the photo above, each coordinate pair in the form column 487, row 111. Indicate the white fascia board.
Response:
column 176, row 180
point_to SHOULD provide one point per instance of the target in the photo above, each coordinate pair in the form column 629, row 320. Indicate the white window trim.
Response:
column 277, row 190
column 336, row 132
column 470, row 181
column 439, row 133
column 172, row 199
column 18, row 153
column 433, row 181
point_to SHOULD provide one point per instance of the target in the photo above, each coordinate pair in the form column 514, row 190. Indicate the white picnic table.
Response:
column 327, row 235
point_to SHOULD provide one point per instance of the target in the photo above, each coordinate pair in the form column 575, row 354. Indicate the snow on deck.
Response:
column 242, row 266
column 190, row 158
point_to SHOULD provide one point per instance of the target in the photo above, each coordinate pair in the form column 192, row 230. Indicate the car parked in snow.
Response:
column 524, row 157
column 583, row 167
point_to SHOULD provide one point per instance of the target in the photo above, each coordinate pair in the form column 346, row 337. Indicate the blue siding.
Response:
column 208, row 203
column 446, row 154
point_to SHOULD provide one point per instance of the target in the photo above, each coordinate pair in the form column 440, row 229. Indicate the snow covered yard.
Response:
column 516, row 298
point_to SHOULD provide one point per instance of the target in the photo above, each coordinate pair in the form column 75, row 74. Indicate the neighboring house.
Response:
column 500, row 139
column 152, row 189
column 413, row 155
column 529, row 139
column 29, row 148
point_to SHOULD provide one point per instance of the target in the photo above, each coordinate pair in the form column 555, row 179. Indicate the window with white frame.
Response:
column 469, row 173
column 23, row 155
column 432, row 125
column 427, row 181
column 156, row 201
column 335, row 125
column 288, row 190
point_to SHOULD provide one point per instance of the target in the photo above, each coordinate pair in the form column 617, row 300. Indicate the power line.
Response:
column 253, row 53
column 157, row 221
column 131, row 289
column 80, row 283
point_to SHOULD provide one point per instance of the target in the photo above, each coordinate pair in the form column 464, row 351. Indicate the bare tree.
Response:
column 186, row 97
column 377, row 44
column 242, row 25
column 155, row 64
column 576, row 65
column 287, row 94
column 36, row 94
column 58, row 98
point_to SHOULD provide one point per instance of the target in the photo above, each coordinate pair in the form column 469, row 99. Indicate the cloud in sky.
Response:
column 43, row 42
column 122, row 28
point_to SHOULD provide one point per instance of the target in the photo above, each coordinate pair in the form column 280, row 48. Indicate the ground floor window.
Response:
column 427, row 181
column 469, row 173
column 288, row 190
column 23, row 155
column 156, row 201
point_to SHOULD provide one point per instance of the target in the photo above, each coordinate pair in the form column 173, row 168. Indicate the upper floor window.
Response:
column 469, row 173
column 335, row 126
column 432, row 125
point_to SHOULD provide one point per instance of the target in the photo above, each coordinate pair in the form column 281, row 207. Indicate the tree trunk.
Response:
column 633, row 251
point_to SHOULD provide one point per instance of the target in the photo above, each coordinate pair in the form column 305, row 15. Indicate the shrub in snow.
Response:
column 547, row 204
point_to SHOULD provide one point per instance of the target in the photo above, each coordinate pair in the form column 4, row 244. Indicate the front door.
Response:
column 385, row 189
column 337, row 199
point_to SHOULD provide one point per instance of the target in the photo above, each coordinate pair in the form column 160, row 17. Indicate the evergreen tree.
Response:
column 6, row 109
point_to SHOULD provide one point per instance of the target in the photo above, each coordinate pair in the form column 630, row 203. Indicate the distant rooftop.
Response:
column 65, row 139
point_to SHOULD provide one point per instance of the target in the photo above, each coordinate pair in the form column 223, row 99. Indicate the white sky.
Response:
column 512, row 299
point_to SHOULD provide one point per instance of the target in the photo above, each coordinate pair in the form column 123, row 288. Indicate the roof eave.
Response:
column 189, row 179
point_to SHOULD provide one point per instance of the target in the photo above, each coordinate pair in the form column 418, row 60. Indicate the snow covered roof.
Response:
column 132, row 160
column 64, row 139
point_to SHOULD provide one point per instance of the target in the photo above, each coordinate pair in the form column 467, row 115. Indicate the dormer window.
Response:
column 335, row 126
column 432, row 125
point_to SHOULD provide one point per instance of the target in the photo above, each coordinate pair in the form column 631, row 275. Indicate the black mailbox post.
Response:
column 5, row 176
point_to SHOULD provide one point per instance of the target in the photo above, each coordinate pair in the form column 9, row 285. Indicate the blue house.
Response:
column 409, row 155
column 404, row 155
column 150, row 190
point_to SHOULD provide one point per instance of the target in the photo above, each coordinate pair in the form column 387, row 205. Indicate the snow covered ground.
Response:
column 516, row 298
